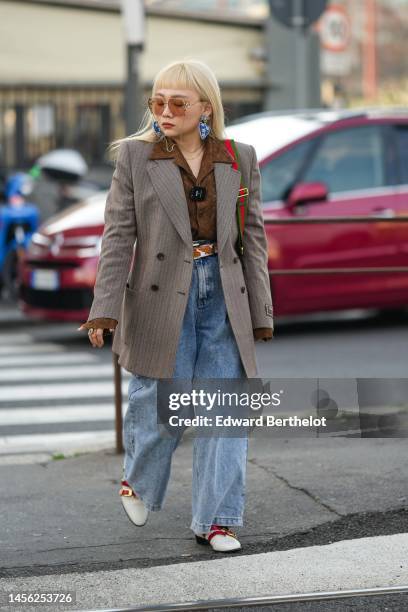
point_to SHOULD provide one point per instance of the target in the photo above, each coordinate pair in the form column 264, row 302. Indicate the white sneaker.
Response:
column 133, row 505
column 221, row 538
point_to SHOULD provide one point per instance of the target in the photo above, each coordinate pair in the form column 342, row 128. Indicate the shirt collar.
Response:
column 215, row 151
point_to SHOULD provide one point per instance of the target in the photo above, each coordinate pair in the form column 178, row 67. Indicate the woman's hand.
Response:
column 98, row 329
column 95, row 336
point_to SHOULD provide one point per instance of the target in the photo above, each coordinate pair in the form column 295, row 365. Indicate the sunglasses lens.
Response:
column 156, row 106
column 176, row 106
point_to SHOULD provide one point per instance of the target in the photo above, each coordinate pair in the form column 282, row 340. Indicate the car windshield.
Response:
column 268, row 134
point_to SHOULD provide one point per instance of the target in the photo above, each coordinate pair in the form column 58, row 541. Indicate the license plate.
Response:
column 45, row 279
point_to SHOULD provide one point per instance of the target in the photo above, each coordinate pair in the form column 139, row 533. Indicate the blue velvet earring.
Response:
column 156, row 128
column 203, row 127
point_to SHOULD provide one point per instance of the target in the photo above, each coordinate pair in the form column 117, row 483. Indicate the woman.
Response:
column 189, row 308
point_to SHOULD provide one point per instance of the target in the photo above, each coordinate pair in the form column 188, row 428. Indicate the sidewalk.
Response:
column 65, row 516
column 341, row 566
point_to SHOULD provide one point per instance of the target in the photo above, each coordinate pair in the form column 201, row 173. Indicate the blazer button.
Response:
column 242, row 289
column 160, row 255
column 236, row 259
column 154, row 287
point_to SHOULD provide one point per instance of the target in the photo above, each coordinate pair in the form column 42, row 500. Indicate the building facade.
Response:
column 63, row 71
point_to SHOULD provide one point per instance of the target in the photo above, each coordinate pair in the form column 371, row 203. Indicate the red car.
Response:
column 57, row 272
column 327, row 164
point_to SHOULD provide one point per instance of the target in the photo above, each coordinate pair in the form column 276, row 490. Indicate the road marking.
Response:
column 14, row 338
column 29, row 373
column 58, row 442
column 94, row 389
column 47, row 347
column 74, row 357
column 59, row 414
column 46, row 374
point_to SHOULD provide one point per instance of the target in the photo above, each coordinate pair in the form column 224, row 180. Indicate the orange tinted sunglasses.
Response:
column 177, row 105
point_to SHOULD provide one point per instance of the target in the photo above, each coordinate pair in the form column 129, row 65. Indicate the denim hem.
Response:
column 149, row 506
column 218, row 520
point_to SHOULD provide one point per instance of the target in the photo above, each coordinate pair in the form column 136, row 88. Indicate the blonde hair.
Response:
column 184, row 74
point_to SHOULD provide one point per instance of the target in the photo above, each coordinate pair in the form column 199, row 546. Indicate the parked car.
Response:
column 313, row 164
column 58, row 271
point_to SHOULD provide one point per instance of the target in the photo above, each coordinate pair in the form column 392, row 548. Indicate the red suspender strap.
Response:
column 242, row 199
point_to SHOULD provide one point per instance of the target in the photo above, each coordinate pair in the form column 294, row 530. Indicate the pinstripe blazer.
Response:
column 146, row 213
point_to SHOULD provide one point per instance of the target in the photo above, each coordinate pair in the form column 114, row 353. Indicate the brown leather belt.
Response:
column 203, row 249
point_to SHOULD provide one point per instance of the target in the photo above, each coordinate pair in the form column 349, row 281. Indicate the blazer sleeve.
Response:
column 118, row 240
column 263, row 333
column 255, row 257
column 101, row 323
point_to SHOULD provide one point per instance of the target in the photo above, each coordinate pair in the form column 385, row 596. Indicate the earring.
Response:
column 156, row 128
column 203, row 127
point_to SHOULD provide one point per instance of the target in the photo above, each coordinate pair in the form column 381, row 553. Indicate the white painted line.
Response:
column 15, row 338
column 95, row 388
column 74, row 357
column 46, row 347
column 58, row 442
column 59, row 414
column 65, row 372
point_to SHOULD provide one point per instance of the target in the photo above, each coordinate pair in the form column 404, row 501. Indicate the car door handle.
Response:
column 383, row 212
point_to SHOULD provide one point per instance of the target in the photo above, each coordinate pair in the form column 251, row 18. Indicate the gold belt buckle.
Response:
column 203, row 249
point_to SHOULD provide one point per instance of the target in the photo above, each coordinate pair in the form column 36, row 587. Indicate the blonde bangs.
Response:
column 184, row 74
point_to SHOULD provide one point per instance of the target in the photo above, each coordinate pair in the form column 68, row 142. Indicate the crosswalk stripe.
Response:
column 23, row 359
column 14, row 338
column 58, row 372
column 29, row 374
column 61, row 414
column 95, row 389
column 57, row 442
column 46, row 347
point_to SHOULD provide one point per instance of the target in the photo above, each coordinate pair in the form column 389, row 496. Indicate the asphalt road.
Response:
column 322, row 513
column 56, row 390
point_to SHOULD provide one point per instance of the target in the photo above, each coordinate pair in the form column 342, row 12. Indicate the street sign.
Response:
column 335, row 29
column 296, row 13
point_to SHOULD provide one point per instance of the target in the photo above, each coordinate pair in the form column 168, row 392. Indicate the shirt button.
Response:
column 154, row 287
column 160, row 255
column 242, row 289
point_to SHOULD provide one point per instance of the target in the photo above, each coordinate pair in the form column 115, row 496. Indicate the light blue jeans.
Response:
column 207, row 349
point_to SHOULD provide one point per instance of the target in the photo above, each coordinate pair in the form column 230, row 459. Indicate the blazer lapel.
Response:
column 166, row 179
column 227, row 182
column 168, row 184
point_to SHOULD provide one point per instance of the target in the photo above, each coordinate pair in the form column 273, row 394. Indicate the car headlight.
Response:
column 40, row 240
column 37, row 243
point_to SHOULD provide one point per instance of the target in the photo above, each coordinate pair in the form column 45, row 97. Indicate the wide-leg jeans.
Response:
column 207, row 349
